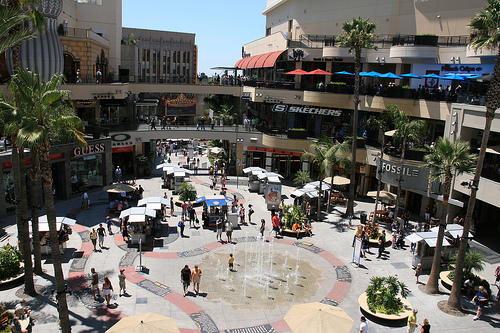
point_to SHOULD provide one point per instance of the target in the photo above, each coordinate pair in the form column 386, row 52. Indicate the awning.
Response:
column 147, row 102
column 259, row 61
column 315, row 185
column 254, row 170
column 214, row 200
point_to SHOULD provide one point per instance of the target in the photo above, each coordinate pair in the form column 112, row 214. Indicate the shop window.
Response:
column 8, row 184
column 87, row 172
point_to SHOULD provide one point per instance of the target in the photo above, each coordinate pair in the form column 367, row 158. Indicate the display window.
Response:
column 87, row 172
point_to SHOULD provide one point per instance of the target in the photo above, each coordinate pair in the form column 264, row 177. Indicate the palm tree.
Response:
column 445, row 160
column 382, row 122
column 302, row 178
column 11, row 19
column 338, row 153
column 319, row 156
column 485, row 28
column 357, row 35
column 406, row 130
column 35, row 190
column 51, row 118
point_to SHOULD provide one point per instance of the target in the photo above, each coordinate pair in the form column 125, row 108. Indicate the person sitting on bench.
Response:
column 296, row 228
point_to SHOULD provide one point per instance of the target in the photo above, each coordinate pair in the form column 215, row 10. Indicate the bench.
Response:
column 291, row 233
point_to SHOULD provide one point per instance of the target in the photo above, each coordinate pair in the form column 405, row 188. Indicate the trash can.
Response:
column 363, row 218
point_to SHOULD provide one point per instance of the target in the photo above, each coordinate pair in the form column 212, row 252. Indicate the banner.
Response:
column 414, row 177
column 273, row 195
column 357, row 251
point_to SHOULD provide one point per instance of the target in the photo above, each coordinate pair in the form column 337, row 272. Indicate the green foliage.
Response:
column 143, row 160
column 384, row 294
column 338, row 83
column 302, row 178
column 132, row 40
column 406, row 87
column 291, row 214
column 10, row 258
column 298, row 129
column 357, row 34
column 187, row 191
column 472, row 261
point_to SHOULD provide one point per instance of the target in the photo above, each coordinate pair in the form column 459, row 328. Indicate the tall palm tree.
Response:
column 445, row 160
column 406, row 131
column 485, row 29
column 34, row 192
column 338, row 153
column 357, row 35
column 319, row 156
column 50, row 119
column 11, row 21
column 382, row 122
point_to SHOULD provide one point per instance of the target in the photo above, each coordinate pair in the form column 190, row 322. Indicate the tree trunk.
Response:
column 318, row 213
column 35, row 190
column 46, row 172
column 379, row 183
column 492, row 102
column 400, row 177
column 354, row 119
column 22, row 216
column 331, row 189
column 432, row 286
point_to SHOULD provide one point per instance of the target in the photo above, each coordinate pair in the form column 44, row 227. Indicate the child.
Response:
column 349, row 220
column 418, row 271
column 231, row 261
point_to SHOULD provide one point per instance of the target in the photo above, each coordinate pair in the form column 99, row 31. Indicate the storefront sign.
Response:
column 306, row 109
column 246, row 95
column 90, row 149
column 414, row 177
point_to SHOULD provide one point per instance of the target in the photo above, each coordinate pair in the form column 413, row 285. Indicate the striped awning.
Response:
column 259, row 61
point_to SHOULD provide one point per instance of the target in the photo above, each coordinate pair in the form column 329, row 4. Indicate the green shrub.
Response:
column 187, row 191
column 383, row 294
column 291, row 214
column 473, row 261
column 10, row 259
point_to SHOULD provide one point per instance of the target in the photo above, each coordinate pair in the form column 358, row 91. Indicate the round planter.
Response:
column 447, row 282
column 362, row 300
column 15, row 277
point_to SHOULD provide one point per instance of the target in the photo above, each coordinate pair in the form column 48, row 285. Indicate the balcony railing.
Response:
column 86, row 34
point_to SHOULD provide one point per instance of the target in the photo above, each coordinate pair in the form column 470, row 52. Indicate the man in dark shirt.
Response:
column 101, row 232
column 185, row 278
column 381, row 244
column 94, row 285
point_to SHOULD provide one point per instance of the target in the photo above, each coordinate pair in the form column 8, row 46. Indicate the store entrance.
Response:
column 58, row 180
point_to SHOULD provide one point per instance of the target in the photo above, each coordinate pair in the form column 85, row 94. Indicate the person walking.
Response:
column 381, row 244
column 412, row 321
column 93, row 238
column 242, row 214
column 101, row 232
column 15, row 327
column 94, row 284
column 184, row 209
column 276, row 225
column 426, row 327
column 121, row 282
column 185, row 279
column 171, row 206
column 192, row 216
column 181, row 226
column 118, row 174
column 262, row 227
column 196, row 277
column 85, row 200
column 107, row 288
column 229, row 231
column 363, row 327
column 219, row 225
column 418, row 272
column 481, row 299
column 497, row 276
column 109, row 223
column 250, row 213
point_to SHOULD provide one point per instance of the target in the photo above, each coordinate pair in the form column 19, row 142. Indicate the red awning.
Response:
column 259, row 61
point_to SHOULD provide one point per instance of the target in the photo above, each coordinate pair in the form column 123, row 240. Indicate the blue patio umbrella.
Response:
column 456, row 77
column 369, row 74
column 411, row 76
column 343, row 73
column 390, row 75
column 432, row 76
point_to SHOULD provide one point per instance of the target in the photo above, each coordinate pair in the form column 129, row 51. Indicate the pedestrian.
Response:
column 357, row 234
column 192, row 216
column 212, row 123
column 109, row 223
column 101, row 232
column 349, row 221
column 418, row 272
column 181, row 226
column 196, row 277
column 230, row 261
column 185, row 278
column 276, row 225
column 107, row 288
column 171, row 206
column 426, row 327
column 118, row 174
column 153, row 123
column 219, row 225
column 381, row 244
column 363, row 327
column 497, row 276
column 184, row 209
column 481, row 299
column 412, row 321
column 262, row 227
column 121, row 282
column 93, row 238
column 15, row 327
column 273, row 211
column 85, row 200
column 229, row 231
column 250, row 212
column 364, row 243
column 21, row 310
column 242, row 214
column 125, row 233
column 94, row 284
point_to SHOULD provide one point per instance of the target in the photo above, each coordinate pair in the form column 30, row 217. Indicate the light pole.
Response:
column 237, row 162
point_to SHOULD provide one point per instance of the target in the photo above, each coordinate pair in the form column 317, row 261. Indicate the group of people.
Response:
column 107, row 287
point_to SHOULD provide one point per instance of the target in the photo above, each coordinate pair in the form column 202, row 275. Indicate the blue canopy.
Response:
column 432, row 76
column 214, row 200
column 390, row 76
column 411, row 75
column 370, row 74
column 456, row 77
column 343, row 73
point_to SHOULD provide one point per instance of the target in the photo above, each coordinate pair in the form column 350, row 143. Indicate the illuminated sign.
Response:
column 306, row 109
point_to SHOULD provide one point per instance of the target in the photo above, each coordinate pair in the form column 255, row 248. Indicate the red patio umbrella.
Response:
column 318, row 72
column 297, row 72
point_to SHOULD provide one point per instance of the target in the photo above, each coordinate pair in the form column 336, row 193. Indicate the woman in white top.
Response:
column 106, row 290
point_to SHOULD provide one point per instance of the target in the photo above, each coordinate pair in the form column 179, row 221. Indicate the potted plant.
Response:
column 473, row 261
column 292, row 214
column 407, row 92
column 10, row 262
column 187, row 191
column 143, row 163
column 416, row 154
column 384, row 295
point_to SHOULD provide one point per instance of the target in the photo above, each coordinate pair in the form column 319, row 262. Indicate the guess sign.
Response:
column 90, row 149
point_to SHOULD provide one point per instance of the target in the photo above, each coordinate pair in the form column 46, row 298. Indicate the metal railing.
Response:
column 85, row 33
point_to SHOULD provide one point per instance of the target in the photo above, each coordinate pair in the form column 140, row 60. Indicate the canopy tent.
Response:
column 430, row 237
column 119, row 188
column 215, row 200
column 265, row 175
column 454, row 230
column 137, row 211
column 215, row 150
column 154, row 202
column 315, row 185
column 254, row 170
column 310, row 192
column 179, row 172
column 167, row 166
column 43, row 224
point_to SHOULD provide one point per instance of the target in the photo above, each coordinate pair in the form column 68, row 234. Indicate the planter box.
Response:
column 302, row 135
column 415, row 155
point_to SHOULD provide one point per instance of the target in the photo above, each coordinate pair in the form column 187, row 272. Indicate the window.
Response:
column 268, row 31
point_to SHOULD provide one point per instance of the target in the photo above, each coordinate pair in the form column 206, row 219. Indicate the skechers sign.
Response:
column 306, row 109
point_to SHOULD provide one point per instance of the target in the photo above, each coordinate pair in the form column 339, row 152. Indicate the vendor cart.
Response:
column 140, row 224
column 63, row 225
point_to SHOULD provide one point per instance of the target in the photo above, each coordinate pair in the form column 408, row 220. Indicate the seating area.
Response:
column 338, row 198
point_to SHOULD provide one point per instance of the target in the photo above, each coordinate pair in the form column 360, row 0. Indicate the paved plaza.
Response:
column 269, row 276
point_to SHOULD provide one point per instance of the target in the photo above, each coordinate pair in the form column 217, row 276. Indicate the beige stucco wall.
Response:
column 84, row 50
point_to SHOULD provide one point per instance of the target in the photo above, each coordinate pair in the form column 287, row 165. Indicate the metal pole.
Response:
column 140, row 254
column 236, row 156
